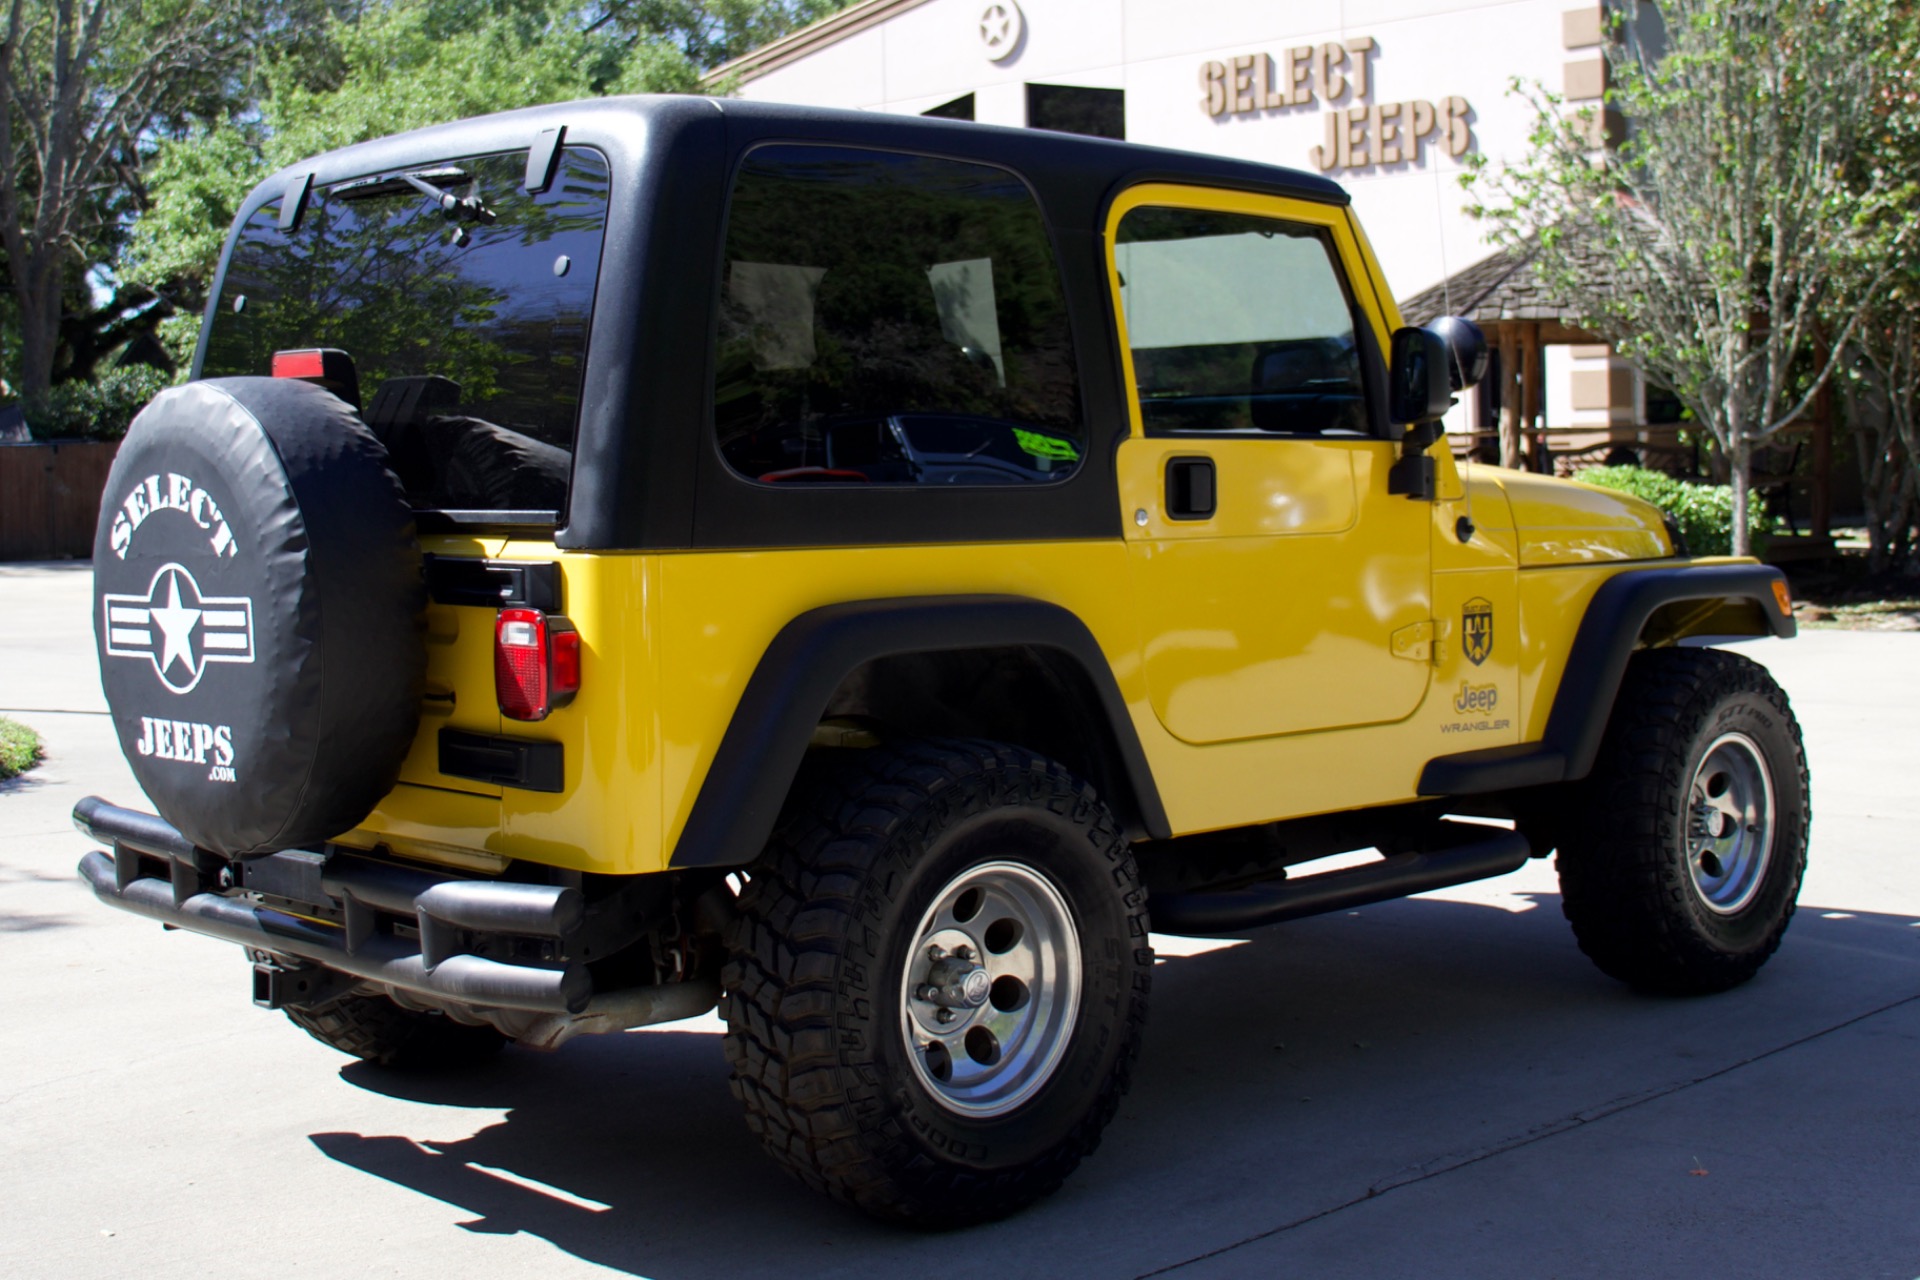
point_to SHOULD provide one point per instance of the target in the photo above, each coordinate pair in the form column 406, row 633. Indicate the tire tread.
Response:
column 807, row 927
column 1621, row 887
column 374, row 1028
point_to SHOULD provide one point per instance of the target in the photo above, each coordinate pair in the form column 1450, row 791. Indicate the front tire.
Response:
column 1681, row 873
column 938, row 982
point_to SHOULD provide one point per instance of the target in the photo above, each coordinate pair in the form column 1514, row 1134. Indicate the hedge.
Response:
column 19, row 748
column 1704, row 512
column 100, row 410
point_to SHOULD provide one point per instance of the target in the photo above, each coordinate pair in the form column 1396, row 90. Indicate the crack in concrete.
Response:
column 1442, row 1165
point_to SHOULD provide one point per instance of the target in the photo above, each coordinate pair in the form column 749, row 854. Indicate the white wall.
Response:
column 1426, row 50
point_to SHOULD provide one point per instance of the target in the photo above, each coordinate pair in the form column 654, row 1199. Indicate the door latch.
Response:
column 1190, row 489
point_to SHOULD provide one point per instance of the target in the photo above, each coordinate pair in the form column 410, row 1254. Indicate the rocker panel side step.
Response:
column 1481, row 852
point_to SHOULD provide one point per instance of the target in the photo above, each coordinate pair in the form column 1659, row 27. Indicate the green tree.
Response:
column 86, row 86
column 403, row 64
column 711, row 32
column 1879, row 386
column 1721, row 220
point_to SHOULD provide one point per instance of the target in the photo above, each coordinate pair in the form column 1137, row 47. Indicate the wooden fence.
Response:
column 50, row 498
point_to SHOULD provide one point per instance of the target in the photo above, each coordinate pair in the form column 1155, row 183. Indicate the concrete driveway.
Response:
column 1436, row 1087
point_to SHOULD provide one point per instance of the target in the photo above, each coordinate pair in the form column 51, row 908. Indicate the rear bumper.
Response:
column 156, row 872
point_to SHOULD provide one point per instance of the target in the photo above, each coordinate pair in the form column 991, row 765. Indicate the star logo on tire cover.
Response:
column 179, row 630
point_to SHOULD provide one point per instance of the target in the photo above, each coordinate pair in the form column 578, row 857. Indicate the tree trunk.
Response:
column 1877, row 503
column 1901, row 548
column 39, row 329
column 1820, row 518
column 1739, row 466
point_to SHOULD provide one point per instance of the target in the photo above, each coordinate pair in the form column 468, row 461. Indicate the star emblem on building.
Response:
column 1001, row 24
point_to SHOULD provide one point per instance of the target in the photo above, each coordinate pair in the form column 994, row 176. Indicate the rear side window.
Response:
column 1238, row 325
column 468, row 337
column 891, row 319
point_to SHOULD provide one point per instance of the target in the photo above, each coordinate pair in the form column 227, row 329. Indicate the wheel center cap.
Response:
column 975, row 987
column 954, row 983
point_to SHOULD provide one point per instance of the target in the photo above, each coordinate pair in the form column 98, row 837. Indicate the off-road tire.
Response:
column 814, row 985
column 381, row 1032
column 1627, row 886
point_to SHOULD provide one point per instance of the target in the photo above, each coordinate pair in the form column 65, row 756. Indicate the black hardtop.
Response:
column 635, row 117
column 645, row 426
column 1030, row 152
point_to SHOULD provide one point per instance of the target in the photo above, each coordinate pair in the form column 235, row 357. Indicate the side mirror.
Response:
column 1418, row 386
column 1467, row 350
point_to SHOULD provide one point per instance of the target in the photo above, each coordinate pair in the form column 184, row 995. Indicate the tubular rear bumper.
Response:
column 206, row 894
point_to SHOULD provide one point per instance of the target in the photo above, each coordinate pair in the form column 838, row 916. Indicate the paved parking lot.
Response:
column 1436, row 1087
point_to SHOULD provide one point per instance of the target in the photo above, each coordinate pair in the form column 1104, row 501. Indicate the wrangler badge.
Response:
column 1476, row 629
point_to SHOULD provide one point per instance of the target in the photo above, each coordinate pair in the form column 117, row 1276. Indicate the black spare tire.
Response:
column 258, row 609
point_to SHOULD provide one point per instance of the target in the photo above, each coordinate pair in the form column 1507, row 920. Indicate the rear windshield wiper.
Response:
column 432, row 184
column 457, row 208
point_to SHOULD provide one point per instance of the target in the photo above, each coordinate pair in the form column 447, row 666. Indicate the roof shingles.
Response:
column 1499, row 287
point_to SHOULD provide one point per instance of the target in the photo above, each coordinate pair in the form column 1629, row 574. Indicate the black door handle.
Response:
column 1190, row 489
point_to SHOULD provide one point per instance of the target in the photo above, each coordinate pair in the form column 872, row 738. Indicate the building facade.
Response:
column 1391, row 98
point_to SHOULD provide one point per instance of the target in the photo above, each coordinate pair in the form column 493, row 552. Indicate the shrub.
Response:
column 99, row 410
column 19, row 748
column 1704, row 512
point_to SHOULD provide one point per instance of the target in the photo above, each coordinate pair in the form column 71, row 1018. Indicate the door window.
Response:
column 1239, row 326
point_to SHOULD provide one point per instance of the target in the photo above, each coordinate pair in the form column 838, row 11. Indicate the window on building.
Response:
column 961, row 108
column 1238, row 326
column 891, row 319
column 1067, row 108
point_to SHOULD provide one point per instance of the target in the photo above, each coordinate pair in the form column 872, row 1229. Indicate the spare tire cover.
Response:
column 258, row 609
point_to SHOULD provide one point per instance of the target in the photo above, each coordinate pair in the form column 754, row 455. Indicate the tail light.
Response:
column 536, row 663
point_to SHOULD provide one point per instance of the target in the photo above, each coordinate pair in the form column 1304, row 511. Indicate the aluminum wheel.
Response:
column 1730, row 823
column 991, row 990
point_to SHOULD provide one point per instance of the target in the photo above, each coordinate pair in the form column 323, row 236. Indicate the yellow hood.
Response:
column 1562, row 522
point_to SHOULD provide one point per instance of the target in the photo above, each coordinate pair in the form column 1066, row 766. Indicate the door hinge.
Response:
column 1415, row 642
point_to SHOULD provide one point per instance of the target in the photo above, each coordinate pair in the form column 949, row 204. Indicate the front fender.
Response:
column 1745, row 599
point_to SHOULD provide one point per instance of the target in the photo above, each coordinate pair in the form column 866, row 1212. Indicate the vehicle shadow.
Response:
column 1302, row 1069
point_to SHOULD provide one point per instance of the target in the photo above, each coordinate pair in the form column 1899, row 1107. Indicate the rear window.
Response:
column 891, row 319
column 468, row 337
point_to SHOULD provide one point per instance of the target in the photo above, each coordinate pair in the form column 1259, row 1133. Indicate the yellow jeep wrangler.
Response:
column 626, row 557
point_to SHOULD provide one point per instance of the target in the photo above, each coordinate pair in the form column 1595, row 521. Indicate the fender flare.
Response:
column 740, row 797
column 1609, row 633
